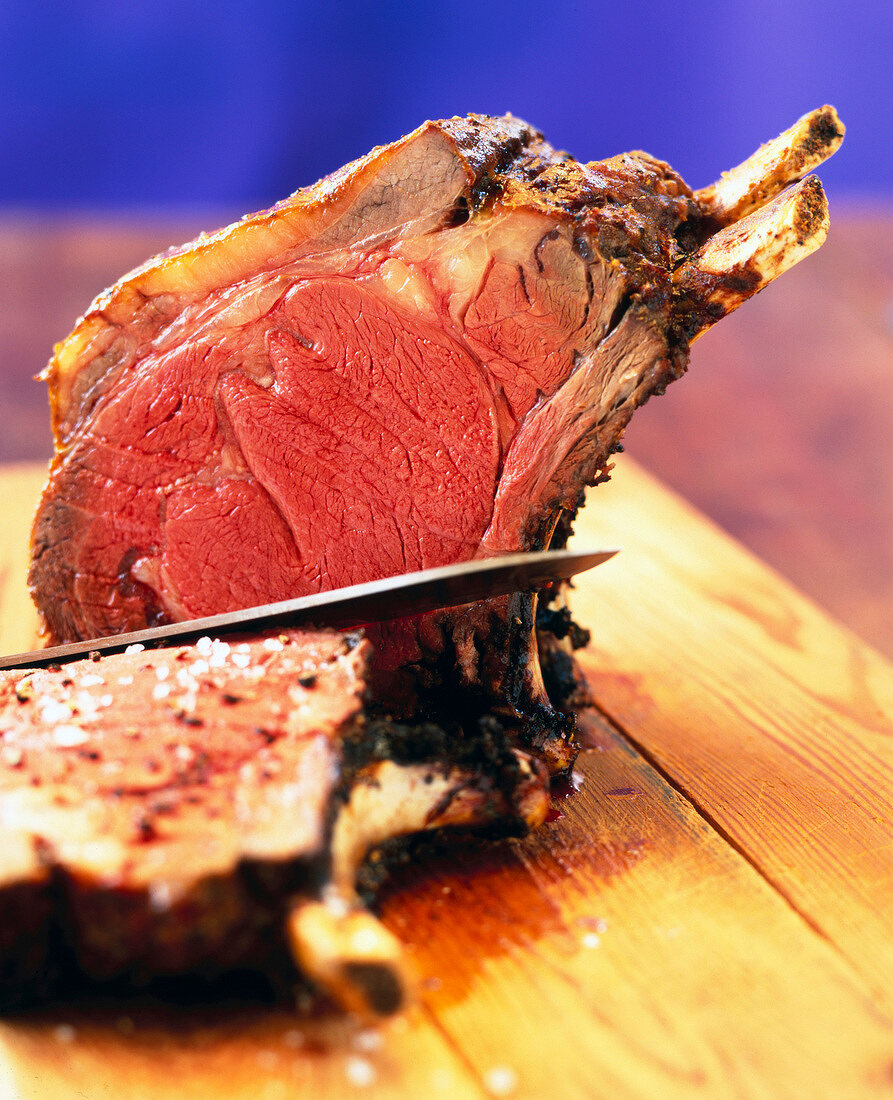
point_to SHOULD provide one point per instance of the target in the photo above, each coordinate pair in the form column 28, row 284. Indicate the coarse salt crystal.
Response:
column 241, row 660
column 199, row 668
column 161, row 691
column 290, row 793
column 68, row 737
column 159, row 896
column 51, row 710
column 500, row 1081
column 125, row 681
column 86, row 704
column 367, row 1040
column 360, row 1071
column 106, row 700
column 336, row 903
column 91, row 681
column 203, row 646
column 243, row 647
column 137, row 647
column 12, row 755
column 273, row 645
column 162, row 672
column 184, row 753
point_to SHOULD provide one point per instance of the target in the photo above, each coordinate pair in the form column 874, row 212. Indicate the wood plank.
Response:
column 627, row 948
column 20, row 488
column 138, row 1051
column 776, row 725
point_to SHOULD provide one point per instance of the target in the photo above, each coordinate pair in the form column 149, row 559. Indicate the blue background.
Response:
column 175, row 104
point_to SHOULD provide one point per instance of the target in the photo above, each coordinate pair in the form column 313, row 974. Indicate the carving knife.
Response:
column 354, row 606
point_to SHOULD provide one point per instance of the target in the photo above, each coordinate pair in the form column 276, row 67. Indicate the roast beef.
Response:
column 423, row 358
column 203, row 809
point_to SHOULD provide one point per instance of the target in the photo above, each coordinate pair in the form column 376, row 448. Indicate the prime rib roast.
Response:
column 423, row 358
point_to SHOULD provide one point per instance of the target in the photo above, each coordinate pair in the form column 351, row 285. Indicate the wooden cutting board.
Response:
column 710, row 914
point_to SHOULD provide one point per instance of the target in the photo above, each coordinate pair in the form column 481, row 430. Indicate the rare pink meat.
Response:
column 269, row 413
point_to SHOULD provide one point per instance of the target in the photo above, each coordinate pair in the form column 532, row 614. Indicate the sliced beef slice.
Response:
column 206, row 808
column 421, row 359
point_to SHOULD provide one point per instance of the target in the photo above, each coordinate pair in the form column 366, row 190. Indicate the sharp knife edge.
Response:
column 354, row 606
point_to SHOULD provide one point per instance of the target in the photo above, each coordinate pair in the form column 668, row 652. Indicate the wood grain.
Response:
column 709, row 914
column 777, row 728
column 630, row 937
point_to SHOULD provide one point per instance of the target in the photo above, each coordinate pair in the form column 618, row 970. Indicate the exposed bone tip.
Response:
column 780, row 162
column 809, row 214
column 741, row 259
column 826, row 130
column 351, row 956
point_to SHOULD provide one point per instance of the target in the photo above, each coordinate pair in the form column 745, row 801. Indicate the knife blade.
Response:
column 354, row 606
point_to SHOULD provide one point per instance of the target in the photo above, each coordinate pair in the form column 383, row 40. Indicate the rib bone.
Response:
column 340, row 945
column 742, row 258
column 809, row 142
column 349, row 953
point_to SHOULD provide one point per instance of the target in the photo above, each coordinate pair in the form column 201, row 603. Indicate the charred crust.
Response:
column 811, row 210
column 825, row 131
column 708, row 297
column 378, row 985
column 559, row 622
column 485, row 190
column 481, row 747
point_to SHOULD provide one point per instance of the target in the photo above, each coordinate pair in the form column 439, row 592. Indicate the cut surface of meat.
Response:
column 421, row 359
column 204, row 808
